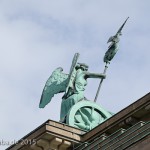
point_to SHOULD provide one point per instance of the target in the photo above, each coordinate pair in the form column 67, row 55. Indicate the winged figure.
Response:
column 72, row 84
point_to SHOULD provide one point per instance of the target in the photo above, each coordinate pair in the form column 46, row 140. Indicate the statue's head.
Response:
column 82, row 66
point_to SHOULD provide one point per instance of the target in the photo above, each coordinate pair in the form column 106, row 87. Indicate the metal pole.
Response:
column 100, row 84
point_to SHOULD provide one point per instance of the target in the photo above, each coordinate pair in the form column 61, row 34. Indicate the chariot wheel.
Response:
column 86, row 115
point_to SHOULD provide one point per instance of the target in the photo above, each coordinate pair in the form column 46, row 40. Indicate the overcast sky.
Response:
column 38, row 36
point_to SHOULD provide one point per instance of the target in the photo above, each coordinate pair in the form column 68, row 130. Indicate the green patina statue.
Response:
column 73, row 84
column 76, row 89
column 113, row 47
column 76, row 110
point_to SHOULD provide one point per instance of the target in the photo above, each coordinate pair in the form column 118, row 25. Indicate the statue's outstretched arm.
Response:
column 95, row 75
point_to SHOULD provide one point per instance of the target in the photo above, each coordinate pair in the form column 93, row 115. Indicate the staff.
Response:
column 110, row 53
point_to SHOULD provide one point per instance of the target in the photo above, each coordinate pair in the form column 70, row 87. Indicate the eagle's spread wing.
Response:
column 56, row 83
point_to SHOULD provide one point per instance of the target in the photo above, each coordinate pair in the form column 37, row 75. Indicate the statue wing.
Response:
column 56, row 83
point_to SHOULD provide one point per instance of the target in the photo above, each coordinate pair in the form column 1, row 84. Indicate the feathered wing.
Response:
column 56, row 83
